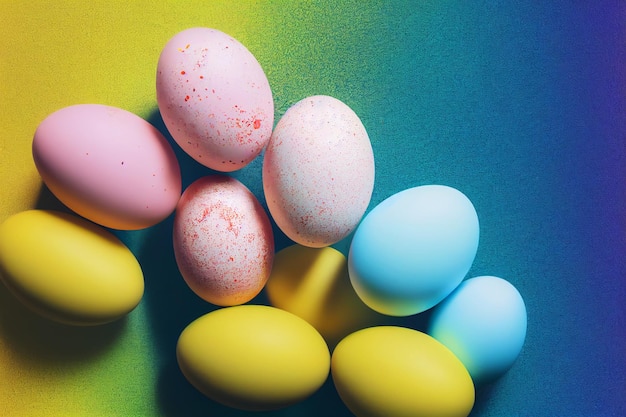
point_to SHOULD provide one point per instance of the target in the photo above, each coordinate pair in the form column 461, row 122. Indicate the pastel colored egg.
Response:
column 313, row 283
column 68, row 269
column 413, row 249
column 318, row 171
column 395, row 372
column 484, row 323
column 223, row 240
column 108, row 165
column 214, row 98
column 253, row 357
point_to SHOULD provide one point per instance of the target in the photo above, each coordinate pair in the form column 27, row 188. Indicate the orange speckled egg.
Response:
column 318, row 171
column 223, row 241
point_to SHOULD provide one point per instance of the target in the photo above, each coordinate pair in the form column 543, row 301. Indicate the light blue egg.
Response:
column 413, row 249
column 483, row 322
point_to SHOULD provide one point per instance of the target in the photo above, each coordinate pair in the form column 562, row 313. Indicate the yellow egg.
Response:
column 253, row 357
column 395, row 371
column 68, row 269
column 313, row 283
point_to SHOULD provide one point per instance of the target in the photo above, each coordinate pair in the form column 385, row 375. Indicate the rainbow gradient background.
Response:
column 519, row 105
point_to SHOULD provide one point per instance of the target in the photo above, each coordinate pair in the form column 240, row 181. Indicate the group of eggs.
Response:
column 409, row 254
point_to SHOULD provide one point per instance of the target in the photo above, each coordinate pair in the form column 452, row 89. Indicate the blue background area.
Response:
column 520, row 108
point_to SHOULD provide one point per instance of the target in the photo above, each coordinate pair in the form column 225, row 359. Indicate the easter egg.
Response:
column 214, row 98
column 68, row 269
column 413, row 249
column 253, row 357
column 223, row 240
column 484, row 323
column 395, row 372
column 108, row 165
column 313, row 283
column 318, row 171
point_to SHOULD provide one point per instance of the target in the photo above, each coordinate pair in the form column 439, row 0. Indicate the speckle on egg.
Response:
column 223, row 241
column 232, row 123
column 318, row 171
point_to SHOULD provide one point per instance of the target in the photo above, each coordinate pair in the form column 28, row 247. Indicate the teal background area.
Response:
column 519, row 105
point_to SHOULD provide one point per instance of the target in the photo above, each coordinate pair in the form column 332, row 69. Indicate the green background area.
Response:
column 518, row 105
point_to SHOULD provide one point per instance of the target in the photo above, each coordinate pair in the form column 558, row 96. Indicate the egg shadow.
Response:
column 251, row 175
column 190, row 168
column 43, row 343
column 170, row 303
column 183, row 399
column 46, row 200
column 171, row 306
column 484, row 394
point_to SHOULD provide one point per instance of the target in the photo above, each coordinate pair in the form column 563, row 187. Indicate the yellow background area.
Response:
column 55, row 54
column 519, row 106
column 52, row 55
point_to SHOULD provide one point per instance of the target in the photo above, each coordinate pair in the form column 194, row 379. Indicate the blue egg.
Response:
column 483, row 322
column 413, row 249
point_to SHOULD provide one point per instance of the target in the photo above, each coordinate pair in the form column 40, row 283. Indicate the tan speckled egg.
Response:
column 318, row 171
column 223, row 241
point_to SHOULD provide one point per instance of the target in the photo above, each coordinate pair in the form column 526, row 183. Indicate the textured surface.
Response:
column 223, row 241
column 214, row 98
column 318, row 171
column 519, row 106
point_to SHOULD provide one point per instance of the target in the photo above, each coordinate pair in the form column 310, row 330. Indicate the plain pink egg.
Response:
column 223, row 241
column 214, row 98
column 318, row 171
column 108, row 165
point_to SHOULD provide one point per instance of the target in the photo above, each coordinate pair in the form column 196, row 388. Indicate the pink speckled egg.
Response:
column 108, row 165
column 214, row 98
column 318, row 171
column 223, row 241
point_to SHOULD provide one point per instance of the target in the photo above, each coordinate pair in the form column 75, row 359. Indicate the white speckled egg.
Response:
column 318, row 171
column 214, row 98
column 223, row 241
